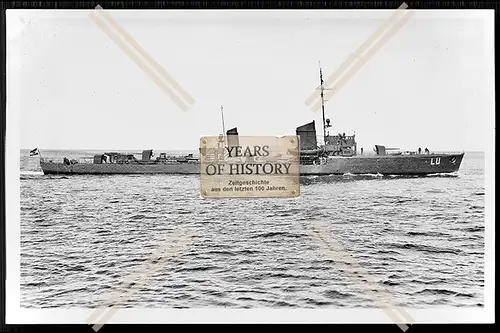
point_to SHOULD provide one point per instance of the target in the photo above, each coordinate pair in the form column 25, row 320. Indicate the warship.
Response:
column 337, row 154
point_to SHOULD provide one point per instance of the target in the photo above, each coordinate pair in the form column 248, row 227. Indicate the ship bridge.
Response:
column 341, row 144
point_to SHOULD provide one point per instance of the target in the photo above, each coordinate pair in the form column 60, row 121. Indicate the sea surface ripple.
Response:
column 419, row 238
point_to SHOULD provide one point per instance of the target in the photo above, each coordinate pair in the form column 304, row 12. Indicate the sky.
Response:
column 430, row 85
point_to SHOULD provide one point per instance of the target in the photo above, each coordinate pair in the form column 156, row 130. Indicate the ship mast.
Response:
column 223, row 125
column 322, row 102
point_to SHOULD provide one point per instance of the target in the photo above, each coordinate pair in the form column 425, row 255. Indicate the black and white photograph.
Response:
column 391, row 221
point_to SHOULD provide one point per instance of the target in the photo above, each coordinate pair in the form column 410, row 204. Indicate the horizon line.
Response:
column 180, row 149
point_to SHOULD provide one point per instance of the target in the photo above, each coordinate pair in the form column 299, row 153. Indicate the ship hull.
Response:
column 385, row 165
column 108, row 169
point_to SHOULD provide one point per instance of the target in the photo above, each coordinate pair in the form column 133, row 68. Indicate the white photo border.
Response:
column 17, row 315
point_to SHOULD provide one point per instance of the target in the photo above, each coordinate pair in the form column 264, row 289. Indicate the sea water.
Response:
column 419, row 238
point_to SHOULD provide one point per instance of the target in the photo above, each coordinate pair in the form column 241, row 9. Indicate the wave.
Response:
column 31, row 173
column 428, row 282
column 473, row 229
column 426, row 233
column 425, row 248
column 453, row 174
column 391, row 283
column 443, row 292
column 348, row 174
column 335, row 294
column 277, row 233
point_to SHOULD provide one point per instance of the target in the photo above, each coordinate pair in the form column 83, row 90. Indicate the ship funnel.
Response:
column 147, row 154
column 232, row 137
column 380, row 150
column 307, row 136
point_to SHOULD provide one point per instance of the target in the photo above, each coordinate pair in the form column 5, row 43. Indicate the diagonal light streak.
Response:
column 121, row 38
column 315, row 94
column 334, row 250
column 148, row 57
column 363, row 59
column 170, row 248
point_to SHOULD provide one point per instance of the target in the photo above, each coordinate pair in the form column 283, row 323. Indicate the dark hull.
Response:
column 108, row 169
column 385, row 165
column 388, row 165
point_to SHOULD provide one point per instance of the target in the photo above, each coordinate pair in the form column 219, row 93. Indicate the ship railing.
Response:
column 416, row 153
column 320, row 140
column 79, row 160
column 443, row 152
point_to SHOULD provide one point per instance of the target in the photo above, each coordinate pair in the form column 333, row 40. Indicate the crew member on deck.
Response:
column 426, row 151
column 419, row 150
